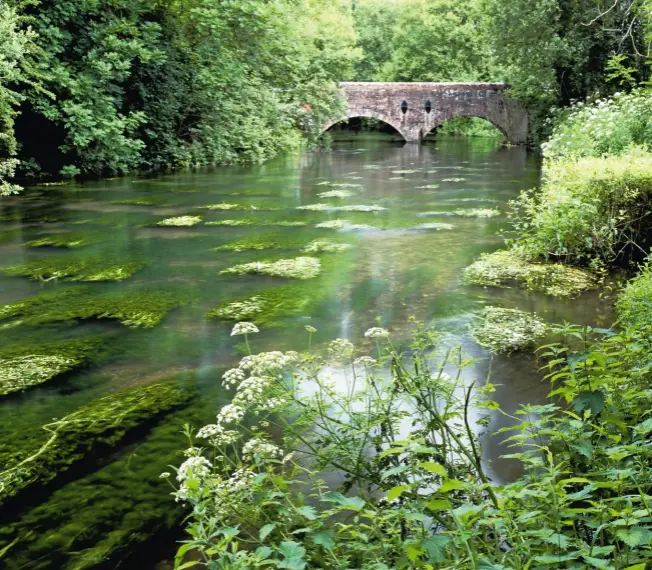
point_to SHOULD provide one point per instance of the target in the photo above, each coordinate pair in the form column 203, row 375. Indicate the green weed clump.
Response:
column 634, row 303
column 180, row 221
column 262, row 243
column 506, row 268
column 590, row 211
column 25, row 367
column 71, row 240
column 91, row 268
column 507, row 330
column 144, row 307
column 95, row 428
column 297, row 268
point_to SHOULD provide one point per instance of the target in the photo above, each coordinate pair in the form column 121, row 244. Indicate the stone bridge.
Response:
column 415, row 109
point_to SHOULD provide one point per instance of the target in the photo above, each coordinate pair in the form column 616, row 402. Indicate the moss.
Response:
column 478, row 213
column 144, row 307
column 336, row 194
column 71, row 240
column 180, row 221
column 90, row 268
column 95, row 427
column 25, row 367
column 507, row 330
column 297, row 268
column 505, row 268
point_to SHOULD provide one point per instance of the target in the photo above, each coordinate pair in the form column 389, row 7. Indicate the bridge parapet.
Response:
column 414, row 109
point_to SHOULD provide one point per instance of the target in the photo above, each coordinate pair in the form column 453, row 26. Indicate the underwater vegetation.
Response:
column 261, row 243
column 144, row 201
column 427, row 186
column 71, row 240
column 297, row 268
column 92, row 268
column 333, row 224
column 180, row 221
column 249, row 222
column 336, row 194
column 325, row 246
column 93, row 428
column 478, row 213
column 435, row 226
column 507, row 330
column 144, row 307
column 505, row 268
column 27, row 366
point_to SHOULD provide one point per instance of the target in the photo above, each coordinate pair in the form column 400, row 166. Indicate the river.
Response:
column 405, row 259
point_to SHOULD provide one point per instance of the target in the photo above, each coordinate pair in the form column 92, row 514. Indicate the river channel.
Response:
column 111, row 509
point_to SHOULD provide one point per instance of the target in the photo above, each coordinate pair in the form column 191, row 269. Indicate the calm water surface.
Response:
column 113, row 510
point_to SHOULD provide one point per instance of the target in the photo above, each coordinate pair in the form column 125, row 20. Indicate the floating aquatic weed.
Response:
column 361, row 228
column 249, row 308
column 333, row 224
column 91, row 268
column 324, row 246
column 324, row 183
column 435, row 213
column 71, row 240
column 345, row 185
column 506, row 267
column 454, row 180
column 181, row 221
column 143, row 202
column 478, row 213
column 223, row 206
column 297, row 268
column 315, row 207
column 507, row 330
column 51, row 451
column 262, row 243
column 231, row 223
column 336, row 194
column 427, row 186
column 362, row 208
column 30, row 366
column 404, row 171
column 287, row 224
column 143, row 307
column 487, row 200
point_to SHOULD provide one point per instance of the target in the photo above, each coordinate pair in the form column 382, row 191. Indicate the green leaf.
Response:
column 264, row 532
column 435, row 468
column 435, row 546
column 392, row 451
column 599, row 563
column 396, row 492
column 439, row 505
column 263, row 552
column 308, row 512
column 324, row 538
column 393, row 471
column 634, row 536
column 559, row 540
column 636, row 567
column 353, row 503
column 593, row 401
column 451, row 485
column 293, row 554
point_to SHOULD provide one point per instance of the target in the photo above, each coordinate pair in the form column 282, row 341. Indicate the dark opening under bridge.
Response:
column 415, row 109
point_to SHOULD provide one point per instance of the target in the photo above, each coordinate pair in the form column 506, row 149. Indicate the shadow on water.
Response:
column 117, row 511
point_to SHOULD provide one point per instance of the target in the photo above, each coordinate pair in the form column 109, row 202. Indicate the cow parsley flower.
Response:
column 365, row 361
column 259, row 447
column 341, row 349
column 244, row 328
column 230, row 413
column 376, row 332
column 233, row 377
column 194, row 467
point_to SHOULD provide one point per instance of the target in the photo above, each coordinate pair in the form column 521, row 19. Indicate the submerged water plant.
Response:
column 180, row 221
column 325, row 246
column 261, row 243
column 333, row 224
column 505, row 268
column 94, row 428
column 71, row 240
column 336, row 194
column 297, row 268
column 316, row 207
column 478, row 213
column 89, row 268
column 507, row 330
column 362, row 208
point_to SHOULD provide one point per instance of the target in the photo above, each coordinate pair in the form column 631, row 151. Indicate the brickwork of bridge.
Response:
column 415, row 109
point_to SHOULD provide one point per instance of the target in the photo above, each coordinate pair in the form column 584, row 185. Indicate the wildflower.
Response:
column 341, row 349
column 376, row 332
column 365, row 361
column 244, row 328
column 260, row 448
column 164, row 475
column 194, row 467
column 311, row 329
column 252, row 390
column 217, row 435
column 230, row 413
column 233, row 377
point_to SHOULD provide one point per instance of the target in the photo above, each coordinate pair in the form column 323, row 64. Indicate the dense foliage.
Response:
column 149, row 84
column 377, row 471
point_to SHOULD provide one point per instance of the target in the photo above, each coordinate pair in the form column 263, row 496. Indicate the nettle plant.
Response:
column 345, row 461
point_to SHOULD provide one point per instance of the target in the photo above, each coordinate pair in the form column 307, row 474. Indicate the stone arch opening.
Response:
column 474, row 125
column 392, row 126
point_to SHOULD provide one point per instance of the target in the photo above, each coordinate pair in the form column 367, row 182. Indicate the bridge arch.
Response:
column 498, row 125
column 352, row 114
column 414, row 109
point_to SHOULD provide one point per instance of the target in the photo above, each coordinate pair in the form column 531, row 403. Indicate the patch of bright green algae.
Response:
column 70, row 240
column 506, row 268
column 180, row 221
column 91, row 268
column 91, row 429
column 143, row 307
column 507, row 330
column 25, row 367
column 250, row 222
column 296, row 268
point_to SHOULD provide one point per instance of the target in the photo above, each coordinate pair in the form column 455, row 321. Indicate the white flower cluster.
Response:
column 233, row 377
column 217, row 435
column 261, row 448
column 240, row 480
column 244, row 328
column 230, row 413
column 341, row 349
column 268, row 363
column 194, row 468
column 376, row 332
column 365, row 361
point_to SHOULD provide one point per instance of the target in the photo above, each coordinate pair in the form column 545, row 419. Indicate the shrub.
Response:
column 635, row 302
column 377, row 466
column 589, row 211
column 604, row 127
